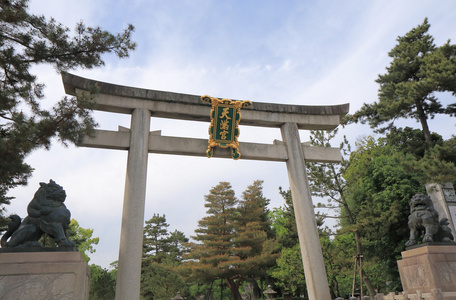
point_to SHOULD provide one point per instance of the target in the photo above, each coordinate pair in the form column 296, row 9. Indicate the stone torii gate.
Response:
column 143, row 104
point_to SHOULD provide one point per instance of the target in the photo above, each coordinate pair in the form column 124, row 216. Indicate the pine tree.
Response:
column 284, row 222
column 28, row 40
column 215, row 233
column 162, row 252
column 419, row 69
column 253, row 208
column 156, row 235
column 176, row 246
column 232, row 239
column 254, row 243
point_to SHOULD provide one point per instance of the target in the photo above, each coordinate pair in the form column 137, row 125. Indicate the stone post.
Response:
column 131, row 235
column 312, row 257
column 444, row 201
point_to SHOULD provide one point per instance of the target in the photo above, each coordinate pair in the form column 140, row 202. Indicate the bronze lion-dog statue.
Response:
column 46, row 214
column 424, row 218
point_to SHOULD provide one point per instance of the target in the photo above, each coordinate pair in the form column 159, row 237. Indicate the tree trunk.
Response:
column 234, row 288
column 256, row 291
column 369, row 285
column 351, row 219
column 366, row 280
column 424, row 124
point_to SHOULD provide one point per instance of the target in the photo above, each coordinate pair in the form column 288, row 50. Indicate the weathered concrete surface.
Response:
column 120, row 140
column 43, row 276
column 429, row 268
column 122, row 99
column 131, row 235
column 312, row 257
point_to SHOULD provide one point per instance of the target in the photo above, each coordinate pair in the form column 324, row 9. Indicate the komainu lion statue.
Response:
column 423, row 217
column 46, row 214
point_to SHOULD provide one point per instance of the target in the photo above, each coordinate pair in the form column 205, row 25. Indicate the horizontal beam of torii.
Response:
column 143, row 104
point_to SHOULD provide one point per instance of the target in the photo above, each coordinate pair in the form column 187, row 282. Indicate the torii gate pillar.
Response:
column 142, row 104
column 305, row 217
column 131, row 234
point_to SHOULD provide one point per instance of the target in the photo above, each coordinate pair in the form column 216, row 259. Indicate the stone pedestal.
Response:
column 43, row 276
column 429, row 269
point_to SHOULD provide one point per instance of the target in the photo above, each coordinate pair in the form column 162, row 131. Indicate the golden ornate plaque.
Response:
column 224, row 128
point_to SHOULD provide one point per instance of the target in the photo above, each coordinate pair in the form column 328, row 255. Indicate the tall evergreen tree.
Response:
column 214, row 251
column 283, row 221
column 419, row 69
column 163, row 252
column 253, row 208
column 156, row 237
column 27, row 40
column 254, row 243
column 176, row 246
column 232, row 240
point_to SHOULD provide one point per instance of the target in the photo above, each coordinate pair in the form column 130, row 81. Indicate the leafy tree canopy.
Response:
column 289, row 273
column 102, row 283
column 28, row 40
column 380, row 186
column 159, row 282
column 81, row 237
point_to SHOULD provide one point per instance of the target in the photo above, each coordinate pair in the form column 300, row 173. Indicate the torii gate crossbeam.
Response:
column 143, row 104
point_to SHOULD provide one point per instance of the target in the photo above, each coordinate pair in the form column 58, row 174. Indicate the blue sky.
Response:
column 294, row 52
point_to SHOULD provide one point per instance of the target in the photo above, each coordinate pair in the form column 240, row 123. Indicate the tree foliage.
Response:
column 102, row 283
column 417, row 71
column 328, row 182
column 159, row 281
column 380, row 188
column 284, row 222
column 435, row 162
column 160, row 245
column 81, row 237
column 162, row 253
column 370, row 192
column 156, row 237
column 28, row 40
column 289, row 273
column 232, row 239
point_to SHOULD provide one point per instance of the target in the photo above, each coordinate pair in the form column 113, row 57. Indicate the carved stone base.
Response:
column 43, row 275
column 428, row 269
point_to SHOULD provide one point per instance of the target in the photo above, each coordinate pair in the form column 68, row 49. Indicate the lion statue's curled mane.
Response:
column 46, row 214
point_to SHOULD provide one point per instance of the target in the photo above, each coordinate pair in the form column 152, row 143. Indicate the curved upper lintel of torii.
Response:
column 123, row 99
